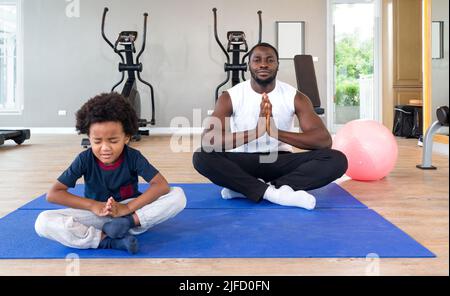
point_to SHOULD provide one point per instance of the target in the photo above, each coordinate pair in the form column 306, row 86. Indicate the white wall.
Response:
column 66, row 61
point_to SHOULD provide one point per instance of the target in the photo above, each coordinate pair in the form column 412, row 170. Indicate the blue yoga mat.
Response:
column 207, row 196
column 236, row 231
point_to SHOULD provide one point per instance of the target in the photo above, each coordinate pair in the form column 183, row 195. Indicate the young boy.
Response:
column 112, row 210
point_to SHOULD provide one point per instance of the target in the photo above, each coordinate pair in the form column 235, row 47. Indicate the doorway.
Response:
column 353, row 61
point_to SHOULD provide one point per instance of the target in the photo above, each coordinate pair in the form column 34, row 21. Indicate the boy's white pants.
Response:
column 82, row 229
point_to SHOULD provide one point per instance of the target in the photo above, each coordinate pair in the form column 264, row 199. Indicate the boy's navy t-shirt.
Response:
column 119, row 180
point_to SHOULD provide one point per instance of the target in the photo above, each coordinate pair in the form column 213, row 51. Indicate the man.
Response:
column 254, row 120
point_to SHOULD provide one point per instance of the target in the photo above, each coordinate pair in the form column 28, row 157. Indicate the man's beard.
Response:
column 263, row 82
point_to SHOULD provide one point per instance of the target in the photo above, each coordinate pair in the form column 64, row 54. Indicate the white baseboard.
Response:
column 71, row 131
column 162, row 131
column 53, row 130
column 175, row 130
column 440, row 148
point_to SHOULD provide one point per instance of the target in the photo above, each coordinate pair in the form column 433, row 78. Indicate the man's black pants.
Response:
column 240, row 171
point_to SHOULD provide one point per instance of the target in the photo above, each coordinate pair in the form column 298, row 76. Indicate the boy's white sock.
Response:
column 286, row 196
column 229, row 194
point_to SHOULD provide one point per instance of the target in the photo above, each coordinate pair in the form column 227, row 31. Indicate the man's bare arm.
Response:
column 314, row 134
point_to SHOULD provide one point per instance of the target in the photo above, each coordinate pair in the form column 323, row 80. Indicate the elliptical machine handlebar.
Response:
column 217, row 36
column 259, row 40
column 152, row 101
column 152, row 121
column 260, row 26
column 259, row 34
column 144, row 37
column 105, row 11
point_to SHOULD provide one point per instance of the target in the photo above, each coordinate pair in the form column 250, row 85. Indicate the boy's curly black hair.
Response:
column 107, row 107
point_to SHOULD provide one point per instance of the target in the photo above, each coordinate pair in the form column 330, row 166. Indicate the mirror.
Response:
column 437, row 40
column 290, row 39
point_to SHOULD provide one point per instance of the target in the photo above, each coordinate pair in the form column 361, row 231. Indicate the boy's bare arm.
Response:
column 158, row 187
column 58, row 194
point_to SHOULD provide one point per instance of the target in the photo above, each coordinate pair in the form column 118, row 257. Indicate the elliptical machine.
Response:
column 236, row 39
column 127, row 39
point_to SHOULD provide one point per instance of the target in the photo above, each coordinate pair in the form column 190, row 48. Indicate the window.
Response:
column 10, row 97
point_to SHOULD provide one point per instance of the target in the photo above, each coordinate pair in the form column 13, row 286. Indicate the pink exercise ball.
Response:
column 370, row 148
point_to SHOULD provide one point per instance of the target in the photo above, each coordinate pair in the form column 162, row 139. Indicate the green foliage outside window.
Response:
column 353, row 60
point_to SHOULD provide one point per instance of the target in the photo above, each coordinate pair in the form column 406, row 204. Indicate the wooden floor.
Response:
column 414, row 200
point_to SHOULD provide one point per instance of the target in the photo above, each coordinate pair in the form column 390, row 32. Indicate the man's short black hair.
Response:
column 263, row 44
column 107, row 107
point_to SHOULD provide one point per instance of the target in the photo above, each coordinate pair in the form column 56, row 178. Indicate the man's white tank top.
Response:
column 246, row 107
